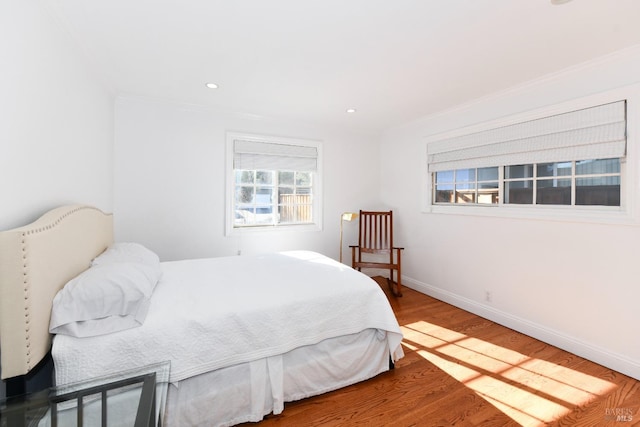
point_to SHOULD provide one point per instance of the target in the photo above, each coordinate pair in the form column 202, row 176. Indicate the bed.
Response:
column 243, row 334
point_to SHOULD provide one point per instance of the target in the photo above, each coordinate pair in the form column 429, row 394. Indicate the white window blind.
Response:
column 592, row 133
column 256, row 155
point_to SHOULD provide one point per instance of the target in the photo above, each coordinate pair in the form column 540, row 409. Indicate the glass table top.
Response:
column 130, row 398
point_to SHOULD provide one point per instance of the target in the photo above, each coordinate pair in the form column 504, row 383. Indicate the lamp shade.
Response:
column 349, row 216
column 346, row 216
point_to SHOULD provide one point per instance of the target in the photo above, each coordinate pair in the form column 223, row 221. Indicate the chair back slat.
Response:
column 376, row 232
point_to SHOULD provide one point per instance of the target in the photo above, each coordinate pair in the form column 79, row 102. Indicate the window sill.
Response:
column 595, row 214
column 289, row 228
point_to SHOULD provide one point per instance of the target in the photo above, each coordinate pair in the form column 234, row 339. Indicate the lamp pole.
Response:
column 346, row 216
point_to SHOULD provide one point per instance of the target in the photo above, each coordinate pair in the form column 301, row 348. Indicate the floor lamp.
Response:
column 346, row 216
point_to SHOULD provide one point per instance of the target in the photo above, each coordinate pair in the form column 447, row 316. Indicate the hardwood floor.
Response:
column 463, row 370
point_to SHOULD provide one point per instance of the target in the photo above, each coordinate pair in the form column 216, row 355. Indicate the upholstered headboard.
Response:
column 35, row 262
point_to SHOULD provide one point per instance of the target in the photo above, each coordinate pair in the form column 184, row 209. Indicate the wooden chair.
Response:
column 376, row 237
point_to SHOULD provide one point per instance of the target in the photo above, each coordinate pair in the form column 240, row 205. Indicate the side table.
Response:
column 133, row 398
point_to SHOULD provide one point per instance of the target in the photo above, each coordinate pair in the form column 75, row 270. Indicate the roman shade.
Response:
column 258, row 155
column 597, row 132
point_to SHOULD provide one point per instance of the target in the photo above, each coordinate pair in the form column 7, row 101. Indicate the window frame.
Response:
column 316, row 187
column 535, row 179
column 627, row 213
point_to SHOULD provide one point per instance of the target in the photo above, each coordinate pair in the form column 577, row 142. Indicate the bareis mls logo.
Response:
column 619, row 414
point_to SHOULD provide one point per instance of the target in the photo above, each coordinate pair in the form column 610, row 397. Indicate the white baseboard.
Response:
column 561, row 340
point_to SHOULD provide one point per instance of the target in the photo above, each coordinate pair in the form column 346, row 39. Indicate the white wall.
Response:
column 56, row 120
column 573, row 284
column 170, row 180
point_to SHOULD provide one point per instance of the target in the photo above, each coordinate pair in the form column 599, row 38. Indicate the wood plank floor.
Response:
column 463, row 370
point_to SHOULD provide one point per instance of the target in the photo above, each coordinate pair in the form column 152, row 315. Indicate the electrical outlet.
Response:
column 488, row 297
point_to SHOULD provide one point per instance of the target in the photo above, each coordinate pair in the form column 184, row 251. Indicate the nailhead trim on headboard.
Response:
column 26, row 279
column 25, row 276
column 57, row 221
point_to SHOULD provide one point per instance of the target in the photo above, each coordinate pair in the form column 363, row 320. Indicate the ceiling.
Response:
column 309, row 60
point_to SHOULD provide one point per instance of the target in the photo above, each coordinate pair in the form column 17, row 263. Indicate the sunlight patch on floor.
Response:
column 530, row 391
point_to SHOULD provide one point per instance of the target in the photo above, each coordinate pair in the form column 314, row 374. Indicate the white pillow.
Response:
column 104, row 299
column 127, row 252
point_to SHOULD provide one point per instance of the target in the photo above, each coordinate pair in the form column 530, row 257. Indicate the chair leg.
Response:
column 398, row 291
column 399, row 282
column 395, row 290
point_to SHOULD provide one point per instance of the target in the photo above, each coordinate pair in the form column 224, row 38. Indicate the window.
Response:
column 269, row 197
column 477, row 186
column 570, row 159
column 274, row 182
column 575, row 183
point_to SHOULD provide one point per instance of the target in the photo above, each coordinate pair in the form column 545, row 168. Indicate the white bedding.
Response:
column 213, row 313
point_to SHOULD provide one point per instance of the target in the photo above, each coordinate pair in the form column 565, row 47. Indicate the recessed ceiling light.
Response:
column 559, row 1
column 212, row 86
column 351, row 110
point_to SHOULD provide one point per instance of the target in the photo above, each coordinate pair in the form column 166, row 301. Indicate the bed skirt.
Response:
column 249, row 391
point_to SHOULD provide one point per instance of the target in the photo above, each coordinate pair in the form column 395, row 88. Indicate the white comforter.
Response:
column 212, row 313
